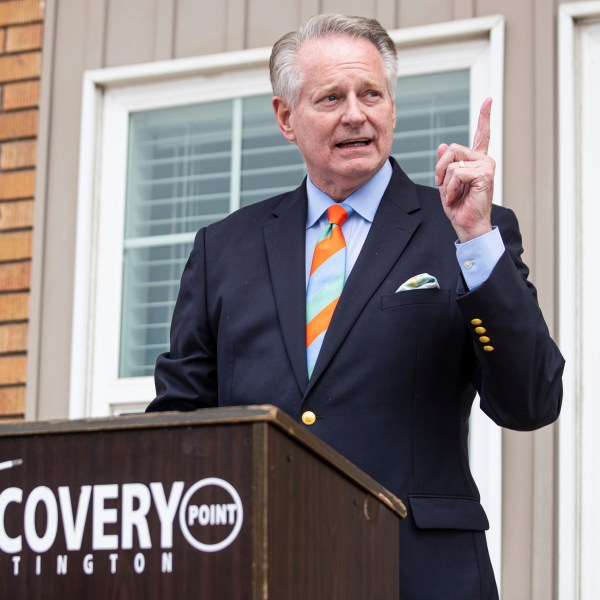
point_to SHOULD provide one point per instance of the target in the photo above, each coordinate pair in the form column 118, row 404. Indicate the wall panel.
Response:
column 263, row 31
column 200, row 27
column 424, row 12
column 351, row 7
column 463, row 9
column 164, row 29
column 130, row 32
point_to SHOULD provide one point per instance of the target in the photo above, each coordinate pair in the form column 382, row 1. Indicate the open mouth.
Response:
column 353, row 143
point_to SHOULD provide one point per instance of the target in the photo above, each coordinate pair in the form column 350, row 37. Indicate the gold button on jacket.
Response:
column 309, row 417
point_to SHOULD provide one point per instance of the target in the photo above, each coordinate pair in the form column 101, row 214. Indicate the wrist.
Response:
column 465, row 234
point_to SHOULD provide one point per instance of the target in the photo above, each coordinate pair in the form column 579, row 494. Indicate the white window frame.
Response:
column 108, row 95
column 579, row 214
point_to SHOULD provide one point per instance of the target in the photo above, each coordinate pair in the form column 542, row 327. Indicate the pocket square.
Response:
column 419, row 282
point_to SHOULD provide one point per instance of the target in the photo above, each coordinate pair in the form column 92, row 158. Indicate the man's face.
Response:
column 345, row 117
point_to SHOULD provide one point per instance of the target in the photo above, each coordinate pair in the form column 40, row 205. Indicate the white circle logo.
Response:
column 217, row 516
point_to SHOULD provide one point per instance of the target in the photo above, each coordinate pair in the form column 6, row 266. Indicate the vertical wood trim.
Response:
column 544, row 150
column 545, row 259
column 164, row 31
column 543, row 521
column 237, row 20
column 39, row 215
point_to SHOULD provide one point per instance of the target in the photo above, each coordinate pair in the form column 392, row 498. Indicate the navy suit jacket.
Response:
column 397, row 374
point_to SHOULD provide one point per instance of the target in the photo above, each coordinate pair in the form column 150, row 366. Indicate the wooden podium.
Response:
column 220, row 504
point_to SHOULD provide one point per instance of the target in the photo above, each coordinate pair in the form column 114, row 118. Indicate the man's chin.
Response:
column 361, row 167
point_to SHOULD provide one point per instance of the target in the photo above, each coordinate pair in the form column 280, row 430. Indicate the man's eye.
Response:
column 330, row 98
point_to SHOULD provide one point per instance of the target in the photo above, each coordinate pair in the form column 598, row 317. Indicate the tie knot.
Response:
column 338, row 214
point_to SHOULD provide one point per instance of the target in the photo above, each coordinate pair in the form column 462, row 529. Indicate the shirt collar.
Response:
column 365, row 200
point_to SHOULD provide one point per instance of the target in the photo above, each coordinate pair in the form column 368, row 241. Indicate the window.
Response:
column 188, row 167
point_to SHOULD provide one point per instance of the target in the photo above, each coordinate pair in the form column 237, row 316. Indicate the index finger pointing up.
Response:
column 481, row 140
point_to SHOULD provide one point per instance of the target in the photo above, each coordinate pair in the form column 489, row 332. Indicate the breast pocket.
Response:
column 410, row 298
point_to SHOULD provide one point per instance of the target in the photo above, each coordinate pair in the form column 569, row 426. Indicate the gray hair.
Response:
column 285, row 76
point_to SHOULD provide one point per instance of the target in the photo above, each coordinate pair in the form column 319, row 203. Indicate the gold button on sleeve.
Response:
column 476, row 321
column 488, row 348
column 484, row 339
column 309, row 417
column 480, row 330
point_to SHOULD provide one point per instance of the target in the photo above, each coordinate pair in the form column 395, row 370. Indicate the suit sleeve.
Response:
column 519, row 372
column 186, row 376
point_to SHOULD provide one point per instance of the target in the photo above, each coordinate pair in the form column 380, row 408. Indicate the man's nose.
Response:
column 353, row 114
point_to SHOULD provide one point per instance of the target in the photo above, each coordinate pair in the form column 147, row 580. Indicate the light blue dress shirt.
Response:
column 476, row 258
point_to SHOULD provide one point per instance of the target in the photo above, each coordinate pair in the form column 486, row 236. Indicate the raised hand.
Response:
column 465, row 177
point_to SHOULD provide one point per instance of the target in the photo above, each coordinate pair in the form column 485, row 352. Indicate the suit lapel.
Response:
column 390, row 232
column 285, row 241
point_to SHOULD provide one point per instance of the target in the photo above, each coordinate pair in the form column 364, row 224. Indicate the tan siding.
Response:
column 129, row 32
column 200, row 31
column 424, row 12
column 463, row 9
column 387, row 14
column 93, row 25
column 236, row 34
column 367, row 8
column 164, row 29
column 308, row 8
column 263, row 32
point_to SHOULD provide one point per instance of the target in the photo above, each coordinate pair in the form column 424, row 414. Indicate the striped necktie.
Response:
column 326, row 280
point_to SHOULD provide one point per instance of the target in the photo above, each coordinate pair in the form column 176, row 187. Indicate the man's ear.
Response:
column 282, row 114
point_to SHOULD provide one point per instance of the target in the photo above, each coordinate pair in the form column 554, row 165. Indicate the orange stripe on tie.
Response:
column 326, row 248
column 320, row 322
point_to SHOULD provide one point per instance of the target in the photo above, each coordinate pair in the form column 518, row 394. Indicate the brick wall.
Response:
column 21, row 23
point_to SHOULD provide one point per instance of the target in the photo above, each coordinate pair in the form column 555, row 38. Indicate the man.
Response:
column 387, row 372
